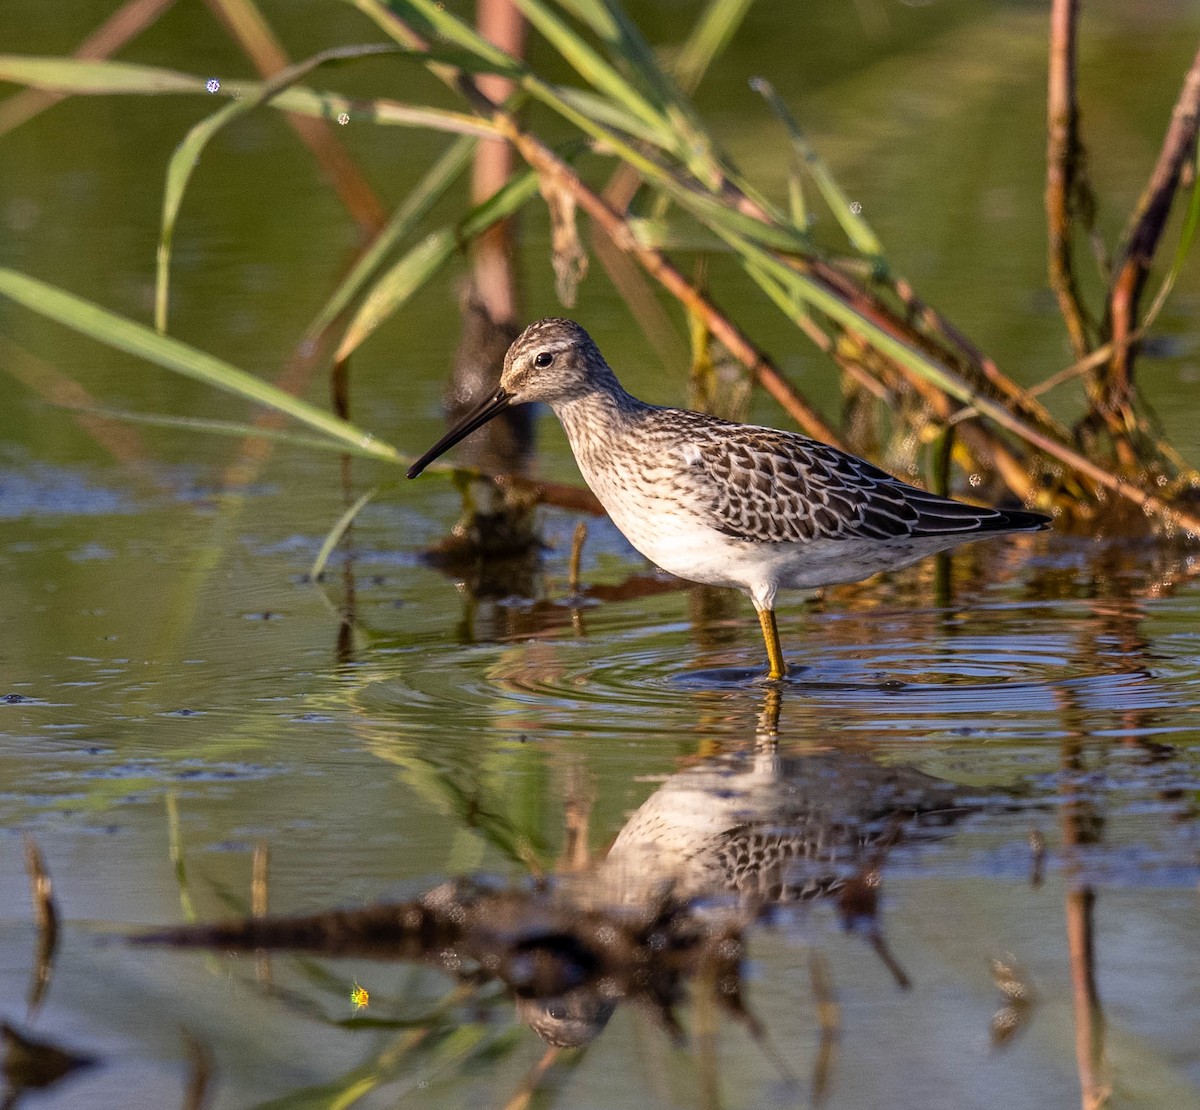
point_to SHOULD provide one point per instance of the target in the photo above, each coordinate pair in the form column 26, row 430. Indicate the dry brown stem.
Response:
column 493, row 279
column 1141, row 239
column 1064, row 158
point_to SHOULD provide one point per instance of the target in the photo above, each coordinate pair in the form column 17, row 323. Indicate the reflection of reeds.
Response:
column 45, row 914
column 199, row 1074
column 829, row 1015
column 1082, row 825
column 1094, row 1084
column 32, row 1065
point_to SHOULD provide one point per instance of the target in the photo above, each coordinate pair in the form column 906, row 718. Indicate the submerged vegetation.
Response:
column 909, row 372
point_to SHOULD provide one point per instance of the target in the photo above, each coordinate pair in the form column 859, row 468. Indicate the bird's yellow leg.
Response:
column 766, row 618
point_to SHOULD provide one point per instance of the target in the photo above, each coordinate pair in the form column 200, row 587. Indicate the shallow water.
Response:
column 175, row 694
column 1053, row 691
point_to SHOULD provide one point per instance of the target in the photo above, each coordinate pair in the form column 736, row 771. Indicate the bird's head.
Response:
column 553, row 360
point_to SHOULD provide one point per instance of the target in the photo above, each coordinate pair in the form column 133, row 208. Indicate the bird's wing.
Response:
column 768, row 486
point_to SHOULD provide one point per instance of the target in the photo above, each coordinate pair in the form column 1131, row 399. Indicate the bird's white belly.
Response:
column 695, row 553
column 670, row 536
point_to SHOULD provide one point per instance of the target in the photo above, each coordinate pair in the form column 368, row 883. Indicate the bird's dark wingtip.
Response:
column 1022, row 520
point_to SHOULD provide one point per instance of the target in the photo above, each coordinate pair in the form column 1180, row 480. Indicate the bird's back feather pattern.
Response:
column 764, row 485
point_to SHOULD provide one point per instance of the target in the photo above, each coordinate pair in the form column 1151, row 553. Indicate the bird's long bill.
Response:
column 493, row 406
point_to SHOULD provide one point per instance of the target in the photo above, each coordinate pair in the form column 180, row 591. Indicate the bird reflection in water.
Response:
column 726, row 840
column 741, row 835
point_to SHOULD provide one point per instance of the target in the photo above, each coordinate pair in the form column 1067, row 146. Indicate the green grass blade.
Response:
column 605, row 112
column 398, row 284
column 668, row 234
column 712, row 33
column 204, row 426
column 857, row 230
column 179, row 169
column 594, row 69
column 626, row 42
column 136, row 339
column 102, row 77
column 396, row 287
column 98, row 78
column 326, row 105
column 715, row 214
column 797, row 205
column 504, row 202
column 428, row 191
column 187, row 153
column 335, row 534
column 431, row 18
column 87, row 77
column 610, row 22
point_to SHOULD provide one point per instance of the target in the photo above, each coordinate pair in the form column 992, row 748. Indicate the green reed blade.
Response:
column 594, row 69
column 396, row 287
column 99, row 78
column 136, row 339
column 187, row 153
column 431, row 18
column 624, row 39
column 399, row 283
column 711, row 35
column 334, row 536
column 427, row 192
column 586, row 103
column 90, row 77
column 326, row 105
column 857, row 230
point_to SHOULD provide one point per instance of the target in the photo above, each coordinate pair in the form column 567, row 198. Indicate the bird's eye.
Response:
column 542, row 359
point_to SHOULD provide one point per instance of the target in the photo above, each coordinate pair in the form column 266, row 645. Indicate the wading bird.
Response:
column 726, row 504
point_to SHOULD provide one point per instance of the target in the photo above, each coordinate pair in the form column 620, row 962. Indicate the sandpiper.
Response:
column 726, row 504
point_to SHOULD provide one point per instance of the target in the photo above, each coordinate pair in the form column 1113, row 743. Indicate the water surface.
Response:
column 177, row 694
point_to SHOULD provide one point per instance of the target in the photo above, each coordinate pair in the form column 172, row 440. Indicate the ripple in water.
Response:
column 641, row 681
